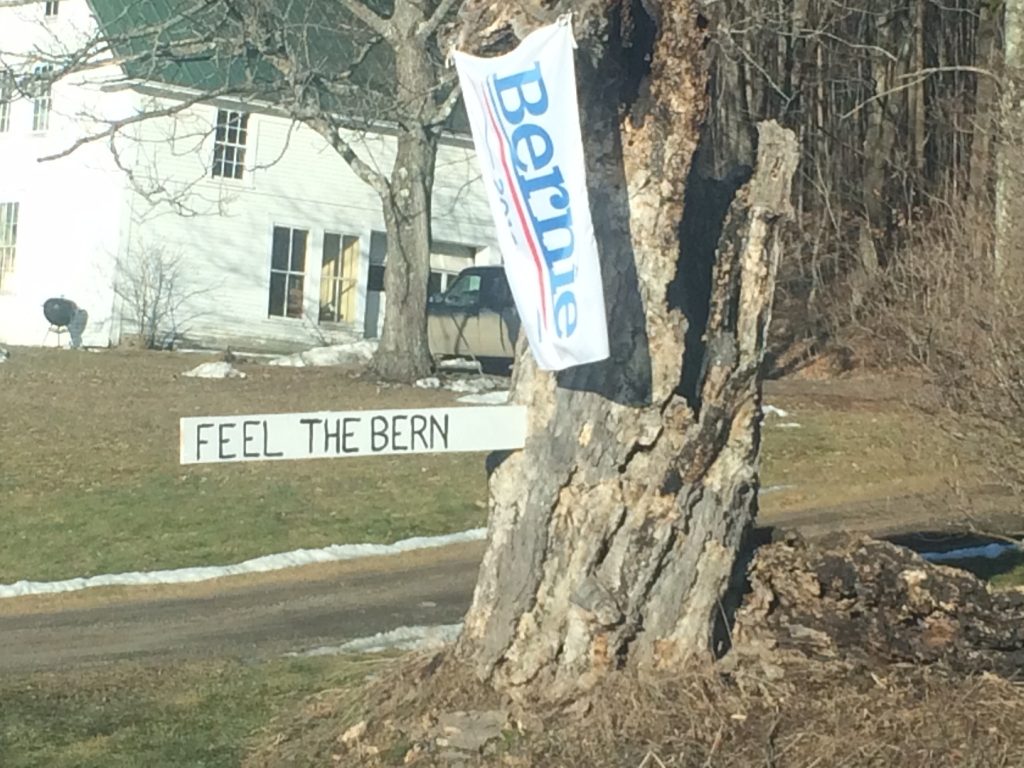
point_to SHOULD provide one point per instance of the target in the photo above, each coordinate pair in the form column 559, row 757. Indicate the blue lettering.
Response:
column 516, row 111
column 542, row 187
column 537, row 144
column 565, row 313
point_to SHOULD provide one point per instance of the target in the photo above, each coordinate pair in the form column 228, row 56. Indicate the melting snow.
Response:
column 256, row 565
column 775, row 489
column 989, row 551
column 338, row 354
column 498, row 397
column 460, row 364
column 771, row 410
column 215, row 371
column 472, row 385
column 417, row 638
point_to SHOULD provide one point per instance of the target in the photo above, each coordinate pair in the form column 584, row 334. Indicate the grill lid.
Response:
column 59, row 311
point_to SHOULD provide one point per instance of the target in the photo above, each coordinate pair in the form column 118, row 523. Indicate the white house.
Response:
column 280, row 243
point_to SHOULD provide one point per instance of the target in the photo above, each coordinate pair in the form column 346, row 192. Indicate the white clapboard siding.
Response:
column 70, row 209
column 79, row 217
column 292, row 179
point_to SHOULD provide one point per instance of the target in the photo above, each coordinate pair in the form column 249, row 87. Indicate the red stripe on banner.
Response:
column 534, row 250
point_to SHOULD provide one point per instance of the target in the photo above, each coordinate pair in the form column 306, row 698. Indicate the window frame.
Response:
column 230, row 141
column 288, row 273
column 8, row 241
column 42, row 98
column 337, row 303
column 7, row 91
column 51, row 9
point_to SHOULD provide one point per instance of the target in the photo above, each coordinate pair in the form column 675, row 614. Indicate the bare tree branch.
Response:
column 362, row 12
column 429, row 27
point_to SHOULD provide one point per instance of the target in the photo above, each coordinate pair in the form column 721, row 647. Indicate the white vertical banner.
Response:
column 525, row 121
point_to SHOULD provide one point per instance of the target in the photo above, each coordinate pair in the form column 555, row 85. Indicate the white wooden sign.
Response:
column 338, row 434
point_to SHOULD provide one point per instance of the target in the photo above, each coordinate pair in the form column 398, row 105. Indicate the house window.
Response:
column 229, row 144
column 338, row 278
column 6, row 97
column 8, row 239
column 51, row 8
column 287, row 272
column 41, row 97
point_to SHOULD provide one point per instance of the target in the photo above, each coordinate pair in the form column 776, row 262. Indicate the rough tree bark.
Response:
column 615, row 535
column 403, row 353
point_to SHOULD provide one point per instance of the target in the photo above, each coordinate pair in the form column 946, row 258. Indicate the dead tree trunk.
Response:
column 615, row 534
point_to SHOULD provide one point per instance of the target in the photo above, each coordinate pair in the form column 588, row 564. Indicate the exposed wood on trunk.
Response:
column 614, row 535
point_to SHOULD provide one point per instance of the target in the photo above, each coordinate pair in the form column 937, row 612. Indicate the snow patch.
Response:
column 471, row 385
column 257, row 565
column 987, row 551
column 4, row 355
column 418, row 638
column 771, row 410
column 431, row 382
column 789, row 425
column 497, row 397
column 775, row 489
column 219, row 370
column 460, row 364
column 337, row 354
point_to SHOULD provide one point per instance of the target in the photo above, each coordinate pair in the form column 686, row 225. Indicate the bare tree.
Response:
column 152, row 284
column 332, row 65
column 615, row 536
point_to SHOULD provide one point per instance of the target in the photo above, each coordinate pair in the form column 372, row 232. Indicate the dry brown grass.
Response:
column 814, row 715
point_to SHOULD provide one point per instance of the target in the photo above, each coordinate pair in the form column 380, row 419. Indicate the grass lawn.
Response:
column 841, row 454
column 129, row 715
column 90, row 481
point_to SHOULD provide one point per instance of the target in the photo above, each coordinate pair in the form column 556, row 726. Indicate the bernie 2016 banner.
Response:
column 525, row 121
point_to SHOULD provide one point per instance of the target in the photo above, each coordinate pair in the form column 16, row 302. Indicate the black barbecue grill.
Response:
column 59, row 313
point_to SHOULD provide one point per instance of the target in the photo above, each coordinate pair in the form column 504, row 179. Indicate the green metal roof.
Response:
column 202, row 45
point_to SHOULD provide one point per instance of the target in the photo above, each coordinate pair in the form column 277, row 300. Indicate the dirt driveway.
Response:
column 304, row 608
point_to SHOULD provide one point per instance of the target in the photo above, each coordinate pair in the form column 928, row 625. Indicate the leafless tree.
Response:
column 156, row 295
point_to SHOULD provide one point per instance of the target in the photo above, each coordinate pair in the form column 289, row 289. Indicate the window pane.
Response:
column 6, row 94
column 375, row 278
column 298, row 250
column 332, row 253
column 229, row 144
column 239, row 162
column 279, row 249
column 276, row 304
column 295, row 295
